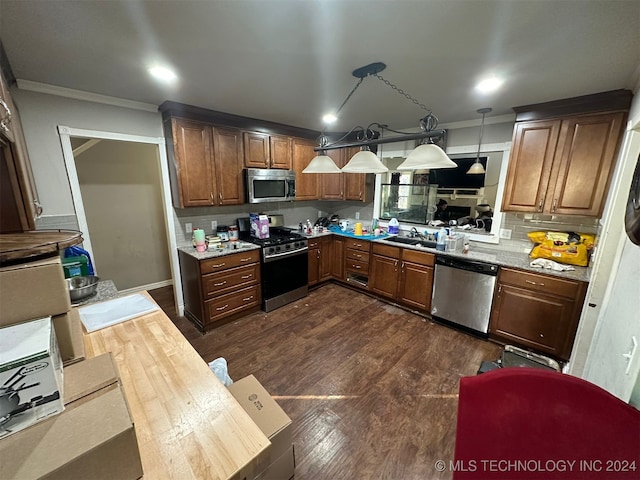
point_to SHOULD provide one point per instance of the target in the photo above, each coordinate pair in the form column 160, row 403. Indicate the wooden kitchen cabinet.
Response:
column 357, row 186
column 220, row 289
column 19, row 205
column 262, row 150
column 320, row 259
column 537, row 311
column 307, row 184
column 205, row 164
column 338, row 257
column 563, row 165
column 332, row 184
column 356, row 264
column 403, row 275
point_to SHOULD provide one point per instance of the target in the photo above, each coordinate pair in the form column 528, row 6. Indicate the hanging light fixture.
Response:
column 477, row 167
column 428, row 155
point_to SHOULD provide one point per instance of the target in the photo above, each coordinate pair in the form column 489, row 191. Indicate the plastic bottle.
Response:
column 394, row 225
column 442, row 236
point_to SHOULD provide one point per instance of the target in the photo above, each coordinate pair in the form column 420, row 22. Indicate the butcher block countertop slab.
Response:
column 188, row 424
column 26, row 245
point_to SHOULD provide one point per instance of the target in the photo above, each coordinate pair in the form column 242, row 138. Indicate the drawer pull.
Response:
column 541, row 336
column 244, row 277
column 220, row 284
column 356, row 266
column 245, row 259
column 223, row 307
column 540, row 204
column 218, row 265
column 358, row 256
column 534, row 283
column 247, row 299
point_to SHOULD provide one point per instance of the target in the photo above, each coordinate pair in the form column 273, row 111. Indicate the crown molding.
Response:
column 86, row 96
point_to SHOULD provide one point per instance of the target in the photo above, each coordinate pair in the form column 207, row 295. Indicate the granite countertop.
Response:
column 229, row 248
column 106, row 291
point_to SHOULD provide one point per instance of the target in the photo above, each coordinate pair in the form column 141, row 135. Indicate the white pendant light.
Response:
column 477, row 168
column 427, row 156
column 365, row 161
column 322, row 164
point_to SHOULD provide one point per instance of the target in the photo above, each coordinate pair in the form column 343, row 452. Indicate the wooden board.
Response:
column 25, row 245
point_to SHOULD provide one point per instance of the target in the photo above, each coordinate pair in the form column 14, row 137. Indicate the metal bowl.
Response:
column 82, row 286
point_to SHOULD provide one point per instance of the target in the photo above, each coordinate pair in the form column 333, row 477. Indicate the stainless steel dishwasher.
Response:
column 463, row 292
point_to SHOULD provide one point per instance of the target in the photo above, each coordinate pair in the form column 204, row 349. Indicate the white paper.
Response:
column 104, row 314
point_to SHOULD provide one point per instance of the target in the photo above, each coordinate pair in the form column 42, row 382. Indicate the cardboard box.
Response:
column 259, row 225
column 30, row 375
column 269, row 417
column 93, row 438
column 32, row 290
column 70, row 337
column 282, row 469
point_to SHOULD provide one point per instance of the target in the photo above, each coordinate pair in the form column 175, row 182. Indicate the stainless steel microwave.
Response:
column 270, row 185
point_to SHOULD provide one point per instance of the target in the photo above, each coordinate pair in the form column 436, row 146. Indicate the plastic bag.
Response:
column 219, row 367
column 563, row 247
column 76, row 251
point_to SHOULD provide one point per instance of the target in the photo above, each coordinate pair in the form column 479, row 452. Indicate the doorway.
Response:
column 121, row 195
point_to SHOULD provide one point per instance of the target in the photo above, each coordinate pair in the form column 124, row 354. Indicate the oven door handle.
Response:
column 278, row 256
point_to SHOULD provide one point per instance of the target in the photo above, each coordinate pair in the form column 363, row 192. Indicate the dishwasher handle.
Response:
column 483, row 268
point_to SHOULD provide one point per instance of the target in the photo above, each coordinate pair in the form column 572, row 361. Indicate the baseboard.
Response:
column 150, row 286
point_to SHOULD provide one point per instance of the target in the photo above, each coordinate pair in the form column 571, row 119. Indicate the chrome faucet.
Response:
column 414, row 232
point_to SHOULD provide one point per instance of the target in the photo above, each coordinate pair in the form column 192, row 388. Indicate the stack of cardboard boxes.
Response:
column 61, row 416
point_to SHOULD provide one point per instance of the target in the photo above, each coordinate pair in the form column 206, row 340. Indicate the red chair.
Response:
column 528, row 423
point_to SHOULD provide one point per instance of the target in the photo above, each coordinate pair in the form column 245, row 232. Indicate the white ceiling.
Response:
column 290, row 61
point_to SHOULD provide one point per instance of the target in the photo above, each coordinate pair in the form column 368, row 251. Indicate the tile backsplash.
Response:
column 521, row 224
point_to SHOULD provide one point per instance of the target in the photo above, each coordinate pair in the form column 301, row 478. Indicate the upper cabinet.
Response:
column 307, row 184
column 563, row 165
column 19, row 206
column 262, row 150
column 205, row 164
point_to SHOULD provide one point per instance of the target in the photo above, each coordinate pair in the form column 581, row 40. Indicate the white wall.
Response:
column 41, row 114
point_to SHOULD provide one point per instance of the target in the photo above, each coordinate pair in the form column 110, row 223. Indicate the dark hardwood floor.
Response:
column 372, row 389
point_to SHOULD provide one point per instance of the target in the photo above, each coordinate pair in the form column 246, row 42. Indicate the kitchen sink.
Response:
column 412, row 241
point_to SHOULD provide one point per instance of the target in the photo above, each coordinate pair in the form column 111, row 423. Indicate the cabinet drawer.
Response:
column 313, row 243
column 358, row 255
column 226, row 305
column 362, row 245
column 229, row 261
column 221, row 282
column 421, row 258
column 386, row 250
column 540, row 283
column 356, row 266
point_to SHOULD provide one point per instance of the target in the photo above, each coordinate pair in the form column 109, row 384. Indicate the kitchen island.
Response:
column 187, row 423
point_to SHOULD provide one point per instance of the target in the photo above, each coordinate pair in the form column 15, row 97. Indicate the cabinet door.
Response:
column 384, row 275
column 227, row 144
column 194, row 163
column 314, row 263
column 533, row 319
column 307, row 184
column 13, row 215
column 281, row 155
column 532, row 154
column 338, row 258
column 583, row 165
column 256, row 150
column 332, row 184
column 354, row 183
column 416, row 283
column 326, row 259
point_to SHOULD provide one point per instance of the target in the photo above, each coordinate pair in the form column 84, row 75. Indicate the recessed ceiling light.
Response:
column 162, row 73
column 489, row 85
column 329, row 118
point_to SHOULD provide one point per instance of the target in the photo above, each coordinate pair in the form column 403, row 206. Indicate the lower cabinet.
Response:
column 402, row 275
column 218, row 290
column 537, row 311
column 337, row 258
column 320, row 259
column 356, row 262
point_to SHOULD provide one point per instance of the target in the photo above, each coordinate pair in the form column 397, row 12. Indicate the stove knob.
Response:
column 278, row 248
column 288, row 246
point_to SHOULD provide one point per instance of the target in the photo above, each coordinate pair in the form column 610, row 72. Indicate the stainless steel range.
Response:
column 284, row 266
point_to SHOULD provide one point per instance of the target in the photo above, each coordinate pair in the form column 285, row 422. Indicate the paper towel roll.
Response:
column 198, row 235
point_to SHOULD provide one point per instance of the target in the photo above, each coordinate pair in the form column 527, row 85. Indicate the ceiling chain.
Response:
column 402, row 92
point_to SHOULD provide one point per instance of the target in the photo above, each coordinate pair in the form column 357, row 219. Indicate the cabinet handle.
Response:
column 219, row 284
column 219, row 265
column 358, row 256
column 541, row 336
column 38, row 208
column 6, row 119
column 356, row 266
column 247, row 299
column 534, row 283
column 360, row 195
column 244, row 277
column 211, row 196
column 220, row 196
column 555, row 205
column 245, row 259
column 540, row 203
column 499, row 289
column 402, row 266
column 318, row 254
column 223, row 307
